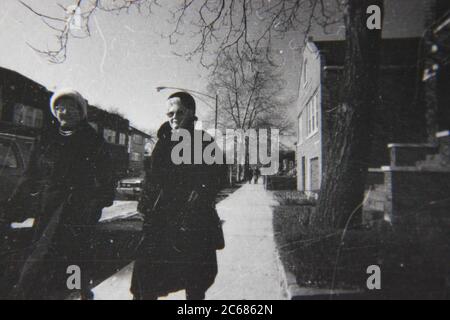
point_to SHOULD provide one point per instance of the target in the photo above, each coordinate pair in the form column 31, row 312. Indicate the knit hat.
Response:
column 75, row 95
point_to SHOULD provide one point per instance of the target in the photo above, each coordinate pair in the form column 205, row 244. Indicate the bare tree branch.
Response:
column 74, row 21
column 221, row 28
column 248, row 90
column 215, row 26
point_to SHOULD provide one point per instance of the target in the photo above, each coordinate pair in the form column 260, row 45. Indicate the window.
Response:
column 28, row 116
column 110, row 135
column 138, row 139
column 39, row 120
column 19, row 114
column 305, row 73
column 7, row 157
column 316, row 110
column 313, row 115
column 122, row 139
column 135, row 156
column 29, row 119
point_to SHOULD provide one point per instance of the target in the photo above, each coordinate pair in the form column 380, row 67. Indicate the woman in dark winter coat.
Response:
column 182, row 230
column 68, row 181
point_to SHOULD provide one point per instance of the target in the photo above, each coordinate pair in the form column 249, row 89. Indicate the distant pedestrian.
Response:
column 249, row 175
column 182, row 230
column 256, row 175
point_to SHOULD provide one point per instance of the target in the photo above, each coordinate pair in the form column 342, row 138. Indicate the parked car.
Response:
column 130, row 188
column 14, row 155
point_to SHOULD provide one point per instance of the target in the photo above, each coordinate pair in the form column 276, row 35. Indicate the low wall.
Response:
column 411, row 190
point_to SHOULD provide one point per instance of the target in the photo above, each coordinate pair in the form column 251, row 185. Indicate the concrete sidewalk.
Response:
column 248, row 264
column 248, row 268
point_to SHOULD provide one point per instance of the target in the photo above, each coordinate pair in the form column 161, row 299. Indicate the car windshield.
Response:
column 7, row 157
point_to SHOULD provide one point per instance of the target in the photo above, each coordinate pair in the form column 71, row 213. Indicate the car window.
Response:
column 8, row 158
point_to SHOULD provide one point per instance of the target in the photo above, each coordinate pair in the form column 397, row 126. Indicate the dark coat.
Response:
column 68, row 182
column 181, row 234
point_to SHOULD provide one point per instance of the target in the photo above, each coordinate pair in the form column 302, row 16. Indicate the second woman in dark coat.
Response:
column 68, row 181
column 182, row 230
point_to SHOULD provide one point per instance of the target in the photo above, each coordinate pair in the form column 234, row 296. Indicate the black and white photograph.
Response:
column 243, row 151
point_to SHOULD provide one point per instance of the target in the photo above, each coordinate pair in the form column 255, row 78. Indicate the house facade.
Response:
column 399, row 116
column 139, row 147
column 399, row 187
column 309, row 129
column 23, row 105
column 114, row 129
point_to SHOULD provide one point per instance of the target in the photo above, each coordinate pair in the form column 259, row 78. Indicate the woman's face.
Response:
column 179, row 116
column 68, row 113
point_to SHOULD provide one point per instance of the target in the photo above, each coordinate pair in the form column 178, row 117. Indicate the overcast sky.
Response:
column 125, row 59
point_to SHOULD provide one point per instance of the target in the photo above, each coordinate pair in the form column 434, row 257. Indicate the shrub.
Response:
column 413, row 257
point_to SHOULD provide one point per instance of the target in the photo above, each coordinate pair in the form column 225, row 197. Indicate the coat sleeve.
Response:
column 151, row 191
column 216, row 181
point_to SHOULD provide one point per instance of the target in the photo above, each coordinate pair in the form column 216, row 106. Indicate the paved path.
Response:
column 247, row 265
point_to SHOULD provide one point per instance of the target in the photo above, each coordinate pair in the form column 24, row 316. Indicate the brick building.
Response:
column 398, row 118
column 435, row 65
column 416, row 182
column 23, row 105
column 114, row 128
column 139, row 147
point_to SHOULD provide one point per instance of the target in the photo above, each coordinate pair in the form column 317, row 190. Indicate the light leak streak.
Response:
column 105, row 45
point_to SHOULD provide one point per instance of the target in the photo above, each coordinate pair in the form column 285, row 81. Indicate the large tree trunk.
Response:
column 347, row 152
